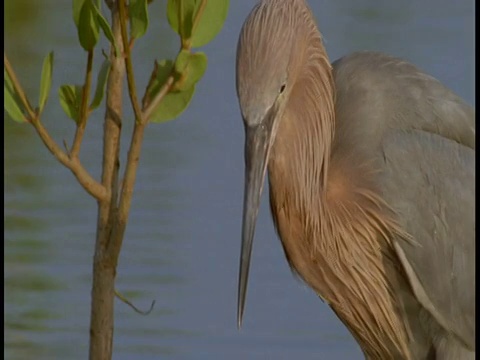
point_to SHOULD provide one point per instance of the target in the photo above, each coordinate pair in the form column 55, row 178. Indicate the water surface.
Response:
column 182, row 242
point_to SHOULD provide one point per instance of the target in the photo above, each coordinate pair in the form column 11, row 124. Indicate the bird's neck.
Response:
column 304, row 138
column 334, row 227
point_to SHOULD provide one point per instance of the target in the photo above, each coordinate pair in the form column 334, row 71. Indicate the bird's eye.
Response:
column 282, row 88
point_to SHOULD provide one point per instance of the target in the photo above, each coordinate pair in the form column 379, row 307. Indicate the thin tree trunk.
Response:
column 104, row 264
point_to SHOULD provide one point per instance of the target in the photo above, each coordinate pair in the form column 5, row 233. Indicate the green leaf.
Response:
column 181, row 61
column 70, row 99
column 46, row 80
column 11, row 102
column 196, row 64
column 11, row 106
column 101, row 83
column 88, row 28
column 180, row 16
column 107, row 30
column 159, row 76
column 163, row 69
column 174, row 103
column 77, row 7
column 101, row 21
column 210, row 22
column 137, row 10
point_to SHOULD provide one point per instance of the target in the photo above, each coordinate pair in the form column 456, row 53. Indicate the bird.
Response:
column 371, row 184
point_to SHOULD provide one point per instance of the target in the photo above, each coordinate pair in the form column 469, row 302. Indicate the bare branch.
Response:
column 82, row 121
column 120, row 223
column 129, row 303
column 18, row 88
column 65, row 145
column 158, row 98
column 118, row 229
column 92, row 186
column 128, row 62
column 101, row 318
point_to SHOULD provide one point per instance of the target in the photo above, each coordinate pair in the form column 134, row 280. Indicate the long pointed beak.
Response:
column 257, row 141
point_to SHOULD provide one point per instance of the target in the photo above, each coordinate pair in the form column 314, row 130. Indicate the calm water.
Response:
column 183, row 239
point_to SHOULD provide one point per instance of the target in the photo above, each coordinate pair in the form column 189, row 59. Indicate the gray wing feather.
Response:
column 376, row 93
column 430, row 182
column 423, row 135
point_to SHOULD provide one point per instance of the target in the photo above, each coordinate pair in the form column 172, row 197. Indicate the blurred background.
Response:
column 182, row 243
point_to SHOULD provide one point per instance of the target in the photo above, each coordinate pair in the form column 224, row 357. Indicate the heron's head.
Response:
column 270, row 55
column 268, row 60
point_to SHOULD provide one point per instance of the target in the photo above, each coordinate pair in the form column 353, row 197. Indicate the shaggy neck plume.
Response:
column 335, row 230
column 309, row 110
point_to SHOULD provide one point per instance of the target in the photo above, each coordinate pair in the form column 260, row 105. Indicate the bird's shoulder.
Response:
column 429, row 181
column 377, row 92
column 421, row 136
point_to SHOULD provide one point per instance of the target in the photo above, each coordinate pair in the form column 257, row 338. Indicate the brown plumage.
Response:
column 337, row 142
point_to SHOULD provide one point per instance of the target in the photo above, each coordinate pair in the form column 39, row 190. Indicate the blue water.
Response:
column 182, row 243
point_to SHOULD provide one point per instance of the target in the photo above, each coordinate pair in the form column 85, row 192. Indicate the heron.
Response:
column 371, row 184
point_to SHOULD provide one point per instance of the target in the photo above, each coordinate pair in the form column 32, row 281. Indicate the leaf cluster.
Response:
column 197, row 22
